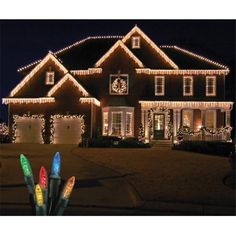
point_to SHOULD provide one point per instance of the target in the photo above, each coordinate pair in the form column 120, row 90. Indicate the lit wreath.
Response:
column 119, row 85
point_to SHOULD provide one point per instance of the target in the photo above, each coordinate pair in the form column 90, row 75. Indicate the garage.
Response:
column 67, row 129
column 28, row 129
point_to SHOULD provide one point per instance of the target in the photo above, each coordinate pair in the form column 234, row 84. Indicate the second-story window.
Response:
column 136, row 42
column 159, row 85
column 188, row 86
column 210, row 86
column 49, row 80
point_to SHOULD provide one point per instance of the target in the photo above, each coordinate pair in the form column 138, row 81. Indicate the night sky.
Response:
column 23, row 42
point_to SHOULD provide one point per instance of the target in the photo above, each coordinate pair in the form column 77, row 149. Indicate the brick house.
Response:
column 120, row 86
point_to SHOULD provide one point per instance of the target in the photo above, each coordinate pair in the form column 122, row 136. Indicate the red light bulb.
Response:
column 43, row 178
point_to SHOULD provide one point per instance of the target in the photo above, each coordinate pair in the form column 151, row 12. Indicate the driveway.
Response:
column 125, row 179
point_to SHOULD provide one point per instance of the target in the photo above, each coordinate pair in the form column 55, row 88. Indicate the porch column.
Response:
column 203, row 116
column 146, row 129
column 227, row 117
column 176, row 121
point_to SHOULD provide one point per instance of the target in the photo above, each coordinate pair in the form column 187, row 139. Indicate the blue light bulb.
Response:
column 56, row 164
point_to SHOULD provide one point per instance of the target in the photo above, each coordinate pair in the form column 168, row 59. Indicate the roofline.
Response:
column 119, row 43
column 63, row 80
column 70, row 46
column 195, row 55
column 28, row 100
column 181, row 71
column 49, row 56
column 152, row 44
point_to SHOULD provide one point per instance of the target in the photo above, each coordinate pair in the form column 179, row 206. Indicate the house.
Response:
column 125, row 86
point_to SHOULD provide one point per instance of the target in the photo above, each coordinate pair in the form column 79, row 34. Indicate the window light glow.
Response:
column 28, row 100
column 151, row 43
column 68, row 187
column 119, row 43
column 90, row 100
column 63, row 80
column 28, row 77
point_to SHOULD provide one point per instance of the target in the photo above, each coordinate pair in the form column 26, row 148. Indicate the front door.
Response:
column 159, row 124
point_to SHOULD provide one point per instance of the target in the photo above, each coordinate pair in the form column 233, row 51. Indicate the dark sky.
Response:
column 23, row 42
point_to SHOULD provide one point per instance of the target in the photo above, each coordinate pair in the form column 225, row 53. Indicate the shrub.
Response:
column 101, row 141
column 132, row 143
column 207, row 147
column 5, row 138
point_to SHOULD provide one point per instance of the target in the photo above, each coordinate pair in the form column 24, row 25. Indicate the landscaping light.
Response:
column 40, row 206
column 64, row 197
column 56, row 164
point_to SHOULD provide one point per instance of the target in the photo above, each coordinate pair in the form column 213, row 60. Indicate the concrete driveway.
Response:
column 123, row 181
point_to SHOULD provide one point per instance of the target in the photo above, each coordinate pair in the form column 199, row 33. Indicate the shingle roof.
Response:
column 85, row 53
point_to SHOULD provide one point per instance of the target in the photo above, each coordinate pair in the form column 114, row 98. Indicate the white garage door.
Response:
column 28, row 130
column 67, row 130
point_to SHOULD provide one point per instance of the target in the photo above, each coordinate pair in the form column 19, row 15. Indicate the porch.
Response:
column 186, row 120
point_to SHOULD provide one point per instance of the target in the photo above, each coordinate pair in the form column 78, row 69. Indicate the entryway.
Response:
column 159, row 126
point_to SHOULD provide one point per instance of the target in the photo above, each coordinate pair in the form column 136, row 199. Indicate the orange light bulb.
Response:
column 68, row 187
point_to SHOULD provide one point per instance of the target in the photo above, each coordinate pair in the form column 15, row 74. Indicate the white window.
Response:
column 188, row 86
column 136, row 42
column 128, row 123
column 159, row 85
column 49, row 78
column 105, row 123
column 210, row 86
column 210, row 119
column 116, row 123
column 187, row 118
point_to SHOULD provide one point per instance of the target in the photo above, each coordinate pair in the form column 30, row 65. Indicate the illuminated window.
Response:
column 159, row 85
column 136, row 42
column 187, row 118
column 210, row 86
column 116, row 123
column 188, row 86
column 128, row 129
column 211, row 119
column 105, row 123
column 49, row 78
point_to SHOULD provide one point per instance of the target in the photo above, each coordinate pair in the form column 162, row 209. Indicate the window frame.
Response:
column 130, row 123
column 47, row 81
column 112, row 121
column 185, row 78
column 134, row 40
column 103, row 123
column 215, row 117
column 162, row 93
column 192, row 120
column 214, row 86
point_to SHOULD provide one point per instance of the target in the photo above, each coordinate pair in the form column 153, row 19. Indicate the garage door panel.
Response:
column 28, row 130
column 67, row 130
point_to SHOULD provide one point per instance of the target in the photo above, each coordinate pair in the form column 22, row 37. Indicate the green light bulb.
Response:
column 25, row 165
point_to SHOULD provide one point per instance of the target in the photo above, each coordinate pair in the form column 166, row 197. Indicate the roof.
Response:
column 87, row 52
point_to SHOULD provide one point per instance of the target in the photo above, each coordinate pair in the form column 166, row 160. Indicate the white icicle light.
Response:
column 63, row 80
column 90, row 100
column 27, row 100
column 119, row 43
column 89, row 71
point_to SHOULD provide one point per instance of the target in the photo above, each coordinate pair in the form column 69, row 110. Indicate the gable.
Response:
column 33, row 84
column 118, row 45
column 149, row 53
column 68, row 78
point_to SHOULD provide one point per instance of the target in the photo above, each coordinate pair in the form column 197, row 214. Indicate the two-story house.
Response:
column 119, row 85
